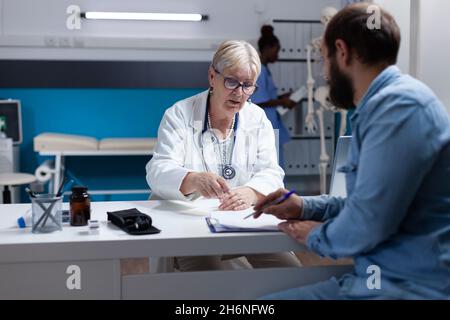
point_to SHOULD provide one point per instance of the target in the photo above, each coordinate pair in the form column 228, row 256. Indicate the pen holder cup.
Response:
column 46, row 213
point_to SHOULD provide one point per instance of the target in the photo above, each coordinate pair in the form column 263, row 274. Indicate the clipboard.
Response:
column 216, row 227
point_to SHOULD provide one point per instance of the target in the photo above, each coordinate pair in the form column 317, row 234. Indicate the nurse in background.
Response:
column 266, row 96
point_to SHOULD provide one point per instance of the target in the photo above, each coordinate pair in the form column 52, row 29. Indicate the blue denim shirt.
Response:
column 397, row 211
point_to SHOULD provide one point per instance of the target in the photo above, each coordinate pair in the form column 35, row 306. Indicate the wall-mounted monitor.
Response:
column 11, row 120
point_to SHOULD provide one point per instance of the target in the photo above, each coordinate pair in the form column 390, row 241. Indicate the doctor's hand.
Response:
column 209, row 185
column 291, row 208
column 238, row 199
column 299, row 230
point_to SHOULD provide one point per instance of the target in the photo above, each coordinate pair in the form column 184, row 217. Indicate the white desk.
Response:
column 60, row 164
column 34, row 265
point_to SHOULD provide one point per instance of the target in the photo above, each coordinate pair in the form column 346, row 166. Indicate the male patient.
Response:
column 395, row 221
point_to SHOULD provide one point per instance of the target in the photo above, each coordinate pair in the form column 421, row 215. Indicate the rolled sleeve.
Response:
column 313, row 242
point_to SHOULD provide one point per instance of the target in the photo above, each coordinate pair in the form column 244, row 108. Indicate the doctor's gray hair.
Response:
column 237, row 54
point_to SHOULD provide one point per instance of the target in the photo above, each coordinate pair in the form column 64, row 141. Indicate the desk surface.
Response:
column 182, row 234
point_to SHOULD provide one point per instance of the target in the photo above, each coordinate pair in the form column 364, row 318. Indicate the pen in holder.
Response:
column 46, row 213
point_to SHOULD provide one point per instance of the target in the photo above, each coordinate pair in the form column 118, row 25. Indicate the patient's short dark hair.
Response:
column 372, row 46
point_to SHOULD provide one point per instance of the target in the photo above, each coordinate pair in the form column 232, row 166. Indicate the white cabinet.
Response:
column 302, row 153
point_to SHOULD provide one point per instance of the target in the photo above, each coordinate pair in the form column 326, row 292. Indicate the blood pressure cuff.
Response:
column 132, row 221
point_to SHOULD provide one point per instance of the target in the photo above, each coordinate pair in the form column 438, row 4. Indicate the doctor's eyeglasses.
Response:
column 232, row 84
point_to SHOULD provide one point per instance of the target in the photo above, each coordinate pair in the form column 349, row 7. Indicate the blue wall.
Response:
column 99, row 113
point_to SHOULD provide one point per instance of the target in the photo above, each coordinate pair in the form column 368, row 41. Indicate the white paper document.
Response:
column 299, row 94
column 226, row 221
column 198, row 207
column 282, row 111
column 234, row 221
column 296, row 96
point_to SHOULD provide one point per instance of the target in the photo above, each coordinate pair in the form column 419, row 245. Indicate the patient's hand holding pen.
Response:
column 275, row 202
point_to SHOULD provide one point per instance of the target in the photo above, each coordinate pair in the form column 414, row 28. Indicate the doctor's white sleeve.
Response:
column 268, row 175
column 166, row 171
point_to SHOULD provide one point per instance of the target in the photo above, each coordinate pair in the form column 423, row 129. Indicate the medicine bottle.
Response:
column 80, row 206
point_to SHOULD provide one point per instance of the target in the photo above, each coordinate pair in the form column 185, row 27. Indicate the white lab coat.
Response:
column 180, row 142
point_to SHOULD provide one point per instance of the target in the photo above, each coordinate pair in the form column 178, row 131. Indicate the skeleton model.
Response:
column 321, row 95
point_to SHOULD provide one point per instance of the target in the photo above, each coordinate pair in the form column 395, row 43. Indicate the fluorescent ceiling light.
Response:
column 144, row 16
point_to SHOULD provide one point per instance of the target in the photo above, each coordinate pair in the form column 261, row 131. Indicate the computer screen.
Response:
column 10, row 120
column 338, row 187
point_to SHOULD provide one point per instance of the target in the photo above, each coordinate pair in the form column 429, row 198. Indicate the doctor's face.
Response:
column 231, row 88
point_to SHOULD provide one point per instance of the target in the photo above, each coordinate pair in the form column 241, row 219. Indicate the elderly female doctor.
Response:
column 217, row 144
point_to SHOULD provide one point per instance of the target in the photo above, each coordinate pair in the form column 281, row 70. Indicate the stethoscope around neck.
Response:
column 228, row 171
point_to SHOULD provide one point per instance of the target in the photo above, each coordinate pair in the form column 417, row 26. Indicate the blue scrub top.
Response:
column 268, row 91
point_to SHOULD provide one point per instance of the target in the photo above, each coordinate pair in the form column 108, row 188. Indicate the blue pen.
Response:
column 277, row 201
